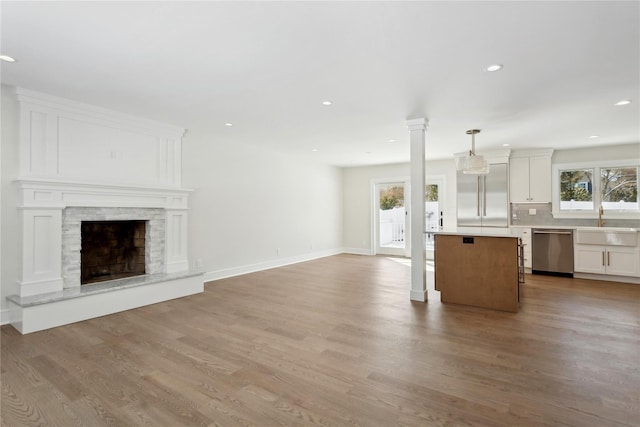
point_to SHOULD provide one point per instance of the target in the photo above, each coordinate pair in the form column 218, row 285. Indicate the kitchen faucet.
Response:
column 600, row 213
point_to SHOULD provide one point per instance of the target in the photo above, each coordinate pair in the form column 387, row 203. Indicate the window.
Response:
column 580, row 189
column 619, row 188
column 576, row 189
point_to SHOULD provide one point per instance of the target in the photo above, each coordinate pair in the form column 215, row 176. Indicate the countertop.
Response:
column 478, row 231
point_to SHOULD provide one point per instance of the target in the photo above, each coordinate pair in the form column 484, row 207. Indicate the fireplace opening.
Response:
column 111, row 250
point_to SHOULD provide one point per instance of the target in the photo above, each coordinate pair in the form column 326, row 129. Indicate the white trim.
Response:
column 416, row 295
column 53, row 193
column 5, row 316
column 98, row 113
column 590, row 213
column 608, row 278
column 539, row 152
column 375, row 215
column 266, row 265
column 30, row 288
column 358, row 251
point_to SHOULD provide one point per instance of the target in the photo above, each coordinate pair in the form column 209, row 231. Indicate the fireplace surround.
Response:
column 81, row 163
column 74, row 266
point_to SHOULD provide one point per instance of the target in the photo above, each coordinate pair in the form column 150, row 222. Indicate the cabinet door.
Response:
column 540, row 179
column 589, row 259
column 519, row 179
column 622, row 261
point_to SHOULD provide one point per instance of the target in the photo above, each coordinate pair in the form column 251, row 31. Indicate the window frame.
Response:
column 596, row 166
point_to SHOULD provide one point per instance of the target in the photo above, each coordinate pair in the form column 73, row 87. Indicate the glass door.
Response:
column 433, row 212
column 392, row 222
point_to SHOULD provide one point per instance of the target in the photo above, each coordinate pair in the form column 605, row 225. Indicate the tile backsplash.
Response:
column 520, row 215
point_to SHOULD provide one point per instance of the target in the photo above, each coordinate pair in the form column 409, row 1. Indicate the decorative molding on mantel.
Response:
column 52, row 193
column 67, row 140
column 97, row 113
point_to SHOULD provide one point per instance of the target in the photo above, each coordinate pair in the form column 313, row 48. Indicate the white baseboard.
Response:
column 5, row 316
column 357, row 251
column 266, row 265
column 608, row 278
column 420, row 296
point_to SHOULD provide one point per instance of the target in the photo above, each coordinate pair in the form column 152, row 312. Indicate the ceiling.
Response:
column 266, row 68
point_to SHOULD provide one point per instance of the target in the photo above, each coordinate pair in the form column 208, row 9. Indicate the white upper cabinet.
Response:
column 530, row 176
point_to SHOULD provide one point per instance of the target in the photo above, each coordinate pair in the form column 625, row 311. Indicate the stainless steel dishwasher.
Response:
column 552, row 252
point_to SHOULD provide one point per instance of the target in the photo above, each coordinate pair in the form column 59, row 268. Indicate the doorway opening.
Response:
column 391, row 218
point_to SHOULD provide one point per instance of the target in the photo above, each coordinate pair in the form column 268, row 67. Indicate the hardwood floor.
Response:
column 336, row 341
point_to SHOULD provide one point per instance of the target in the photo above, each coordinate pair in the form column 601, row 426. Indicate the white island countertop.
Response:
column 477, row 231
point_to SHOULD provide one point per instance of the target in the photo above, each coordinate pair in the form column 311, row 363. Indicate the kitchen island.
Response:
column 477, row 270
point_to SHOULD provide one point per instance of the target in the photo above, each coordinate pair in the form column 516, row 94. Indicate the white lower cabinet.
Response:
column 613, row 260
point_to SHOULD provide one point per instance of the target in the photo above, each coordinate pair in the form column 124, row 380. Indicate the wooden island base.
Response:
column 480, row 271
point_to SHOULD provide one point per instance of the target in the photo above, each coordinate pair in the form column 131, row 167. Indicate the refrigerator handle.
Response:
column 484, row 195
column 478, row 195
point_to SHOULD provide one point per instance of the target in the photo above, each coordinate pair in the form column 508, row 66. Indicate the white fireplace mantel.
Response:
column 84, row 163
column 42, row 205
column 74, row 155
column 55, row 193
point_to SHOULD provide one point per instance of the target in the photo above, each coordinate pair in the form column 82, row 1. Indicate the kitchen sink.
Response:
column 612, row 236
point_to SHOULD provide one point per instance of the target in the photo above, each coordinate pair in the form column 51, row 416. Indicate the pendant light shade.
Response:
column 472, row 163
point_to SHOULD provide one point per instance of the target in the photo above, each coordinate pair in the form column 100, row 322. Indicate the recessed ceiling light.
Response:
column 367, row 152
column 494, row 67
column 623, row 102
column 392, row 140
column 327, row 102
column 593, row 136
column 505, row 145
column 314, row 149
column 7, row 58
column 228, row 124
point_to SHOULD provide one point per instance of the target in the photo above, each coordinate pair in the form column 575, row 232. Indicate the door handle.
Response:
column 608, row 258
column 552, row 232
column 484, row 196
column 478, row 196
column 602, row 257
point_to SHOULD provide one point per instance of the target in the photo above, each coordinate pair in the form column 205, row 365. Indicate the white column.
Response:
column 417, row 128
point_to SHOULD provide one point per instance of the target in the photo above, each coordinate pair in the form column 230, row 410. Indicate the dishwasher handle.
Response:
column 552, row 232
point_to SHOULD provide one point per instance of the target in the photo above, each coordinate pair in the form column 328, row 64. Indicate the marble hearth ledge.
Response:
column 44, row 311
column 100, row 287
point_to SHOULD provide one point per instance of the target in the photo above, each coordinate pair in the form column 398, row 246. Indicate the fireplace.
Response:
column 85, row 164
column 111, row 250
column 135, row 234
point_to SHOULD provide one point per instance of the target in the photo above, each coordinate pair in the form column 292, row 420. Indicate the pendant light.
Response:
column 472, row 163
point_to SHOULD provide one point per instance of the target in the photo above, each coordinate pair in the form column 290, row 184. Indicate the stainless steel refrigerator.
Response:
column 483, row 200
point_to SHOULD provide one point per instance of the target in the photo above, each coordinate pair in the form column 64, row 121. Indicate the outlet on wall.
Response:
column 278, row 251
column 199, row 263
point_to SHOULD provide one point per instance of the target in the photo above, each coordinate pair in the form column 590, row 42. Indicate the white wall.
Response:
column 9, row 221
column 255, row 208
column 251, row 209
column 358, row 198
column 602, row 153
